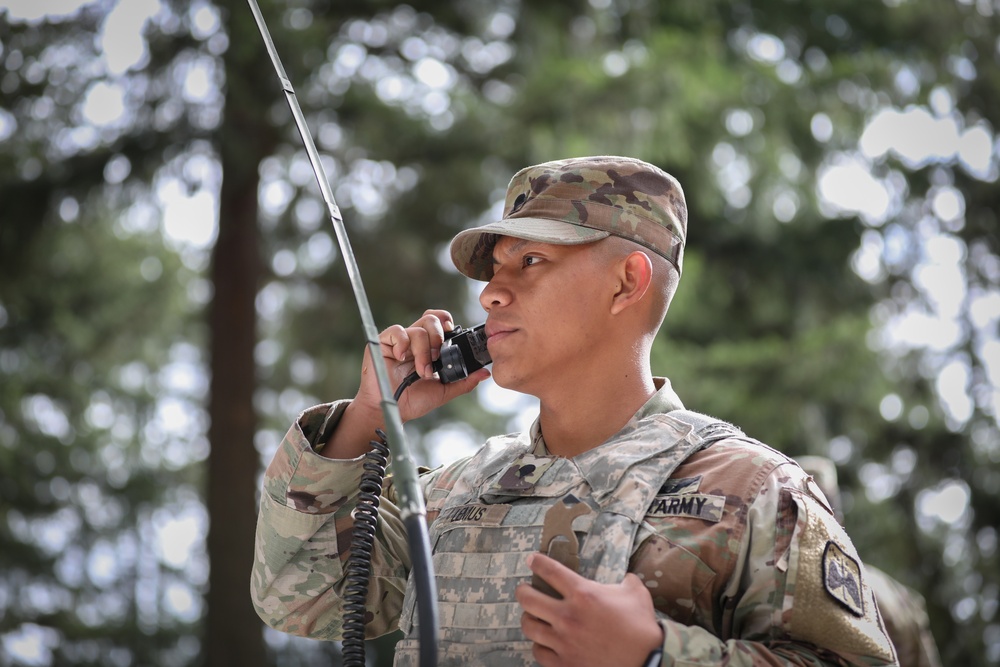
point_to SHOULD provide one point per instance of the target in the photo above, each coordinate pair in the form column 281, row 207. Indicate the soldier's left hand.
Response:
column 594, row 624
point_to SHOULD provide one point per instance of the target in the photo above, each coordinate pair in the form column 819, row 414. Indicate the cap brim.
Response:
column 472, row 249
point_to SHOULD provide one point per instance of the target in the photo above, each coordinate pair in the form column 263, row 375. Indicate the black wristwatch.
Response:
column 655, row 658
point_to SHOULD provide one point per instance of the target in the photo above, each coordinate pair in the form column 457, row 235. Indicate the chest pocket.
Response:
column 677, row 578
column 671, row 561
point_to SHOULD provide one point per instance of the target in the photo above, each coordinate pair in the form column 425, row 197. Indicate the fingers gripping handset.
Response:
column 427, row 357
column 463, row 353
column 432, row 348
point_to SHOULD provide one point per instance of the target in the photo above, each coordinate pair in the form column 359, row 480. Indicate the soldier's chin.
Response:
column 507, row 376
column 503, row 374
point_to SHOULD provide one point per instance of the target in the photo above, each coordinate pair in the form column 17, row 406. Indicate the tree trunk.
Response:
column 233, row 632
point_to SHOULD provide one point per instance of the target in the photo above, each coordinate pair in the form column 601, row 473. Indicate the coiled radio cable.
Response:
column 359, row 563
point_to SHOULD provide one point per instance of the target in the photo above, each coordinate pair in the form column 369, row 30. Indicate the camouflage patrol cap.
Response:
column 582, row 200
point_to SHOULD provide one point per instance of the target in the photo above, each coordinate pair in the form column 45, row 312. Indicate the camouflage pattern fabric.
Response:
column 488, row 521
column 582, row 200
column 905, row 615
column 746, row 566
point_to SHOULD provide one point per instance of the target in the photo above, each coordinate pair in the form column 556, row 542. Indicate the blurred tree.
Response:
column 795, row 318
column 244, row 138
column 100, row 433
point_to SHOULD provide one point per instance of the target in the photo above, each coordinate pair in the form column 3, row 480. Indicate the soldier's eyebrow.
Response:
column 511, row 250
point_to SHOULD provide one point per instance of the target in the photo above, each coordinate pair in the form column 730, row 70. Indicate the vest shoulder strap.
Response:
column 708, row 429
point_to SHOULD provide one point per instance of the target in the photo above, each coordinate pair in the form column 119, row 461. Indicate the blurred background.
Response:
column 172, row 294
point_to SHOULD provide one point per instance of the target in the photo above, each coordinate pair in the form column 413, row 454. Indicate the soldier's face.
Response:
column 547, row 305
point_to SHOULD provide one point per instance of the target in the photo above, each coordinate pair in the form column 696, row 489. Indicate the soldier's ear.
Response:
column 634, row 275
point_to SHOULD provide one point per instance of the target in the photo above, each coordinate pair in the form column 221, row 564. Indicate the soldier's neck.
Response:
column 575, row 421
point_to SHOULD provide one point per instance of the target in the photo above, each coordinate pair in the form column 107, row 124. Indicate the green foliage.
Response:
column 746, row 103
column 87, row 329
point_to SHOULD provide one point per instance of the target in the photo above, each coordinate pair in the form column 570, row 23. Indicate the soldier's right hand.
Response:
column 404, row 350
column 409, row 349
column 415, row 348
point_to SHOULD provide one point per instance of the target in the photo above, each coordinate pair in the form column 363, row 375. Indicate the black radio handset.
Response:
column 463, row 353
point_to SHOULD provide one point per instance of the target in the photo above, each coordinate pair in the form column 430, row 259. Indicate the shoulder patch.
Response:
column 842, row 578
column 827, row 598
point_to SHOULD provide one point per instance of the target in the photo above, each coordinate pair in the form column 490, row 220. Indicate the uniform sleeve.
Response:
column 796, row 593
column 303, row 539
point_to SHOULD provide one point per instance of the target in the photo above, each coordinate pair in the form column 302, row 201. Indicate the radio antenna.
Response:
column 412, row 509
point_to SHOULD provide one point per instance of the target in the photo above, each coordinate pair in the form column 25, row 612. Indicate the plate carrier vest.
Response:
column 492, row 518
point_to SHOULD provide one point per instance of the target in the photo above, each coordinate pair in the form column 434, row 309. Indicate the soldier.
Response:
column 672, row 538
column 903, row 609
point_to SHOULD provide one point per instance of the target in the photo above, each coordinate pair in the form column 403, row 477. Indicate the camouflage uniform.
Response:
column 743, row 557
column 905, row 615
